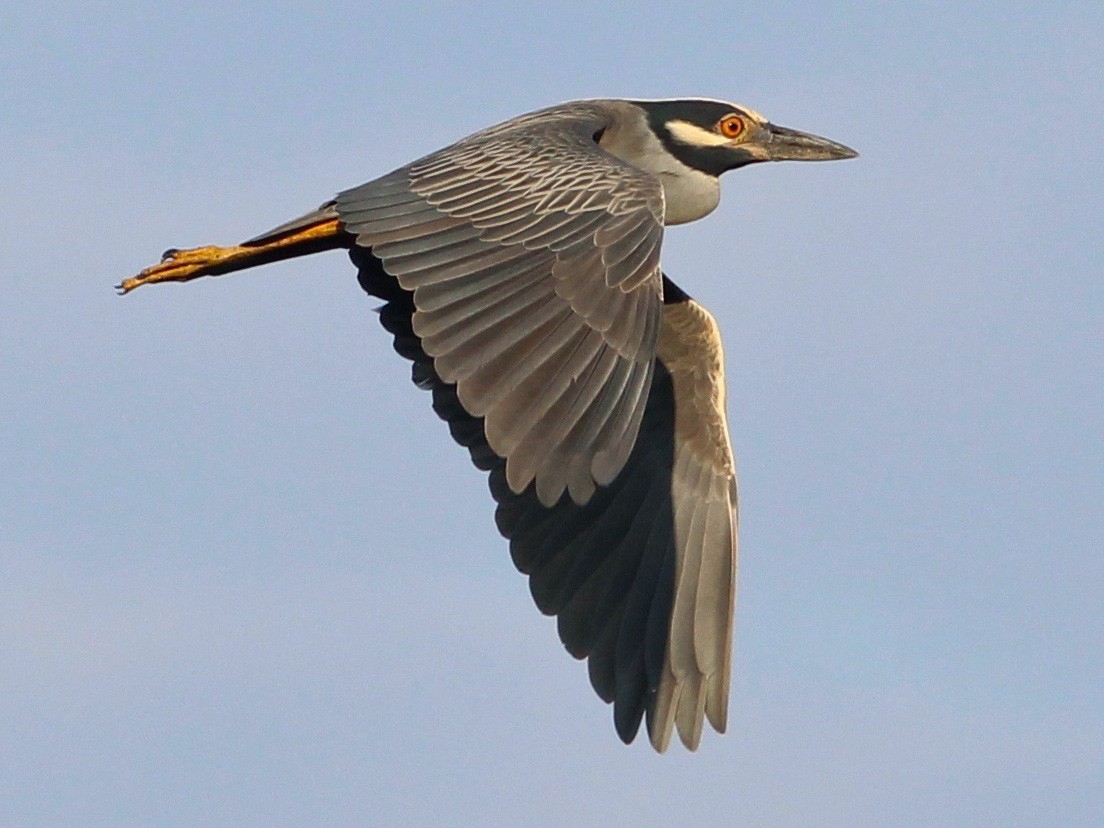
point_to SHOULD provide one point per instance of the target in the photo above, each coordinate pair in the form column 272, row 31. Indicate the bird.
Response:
column 519, row 270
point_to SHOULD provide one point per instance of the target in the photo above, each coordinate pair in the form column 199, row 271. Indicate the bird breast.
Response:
column 688, row 194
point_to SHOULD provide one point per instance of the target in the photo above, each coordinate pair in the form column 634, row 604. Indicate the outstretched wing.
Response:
column 533, row 258
column 697, row 666
column 642, row 576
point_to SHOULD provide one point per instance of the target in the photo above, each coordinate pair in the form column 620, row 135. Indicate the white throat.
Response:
column 690, row 194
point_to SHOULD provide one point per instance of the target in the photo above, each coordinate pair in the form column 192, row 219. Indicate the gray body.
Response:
column 520, row 269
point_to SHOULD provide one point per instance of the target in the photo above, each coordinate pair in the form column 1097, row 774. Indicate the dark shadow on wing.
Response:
column 606, row 569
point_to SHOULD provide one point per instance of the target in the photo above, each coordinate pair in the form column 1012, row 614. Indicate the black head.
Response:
column 715, row 136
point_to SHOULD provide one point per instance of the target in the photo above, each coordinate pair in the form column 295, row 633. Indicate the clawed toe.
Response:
column 183, row 265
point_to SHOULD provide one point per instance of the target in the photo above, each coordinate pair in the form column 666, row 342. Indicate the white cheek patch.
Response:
column 687, row 133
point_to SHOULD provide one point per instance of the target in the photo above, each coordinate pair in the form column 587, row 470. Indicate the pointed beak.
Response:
column 784, row 144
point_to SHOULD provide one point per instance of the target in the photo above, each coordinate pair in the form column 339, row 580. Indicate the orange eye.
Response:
column 730, row 126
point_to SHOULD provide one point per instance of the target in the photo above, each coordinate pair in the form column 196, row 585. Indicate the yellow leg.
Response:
column 185, row 265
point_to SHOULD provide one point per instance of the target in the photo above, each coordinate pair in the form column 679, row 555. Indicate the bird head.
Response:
column 714, row 136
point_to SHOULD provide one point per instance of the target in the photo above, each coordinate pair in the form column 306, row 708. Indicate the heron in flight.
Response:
column 520, row 274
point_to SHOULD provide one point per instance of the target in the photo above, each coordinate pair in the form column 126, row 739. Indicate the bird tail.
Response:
column 323, row 215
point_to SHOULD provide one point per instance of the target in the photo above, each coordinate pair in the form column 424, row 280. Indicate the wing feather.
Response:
column 538, row 202
column 695, row 681
column 598, row 412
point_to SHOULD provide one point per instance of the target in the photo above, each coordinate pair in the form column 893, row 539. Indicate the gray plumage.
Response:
column 521, row 276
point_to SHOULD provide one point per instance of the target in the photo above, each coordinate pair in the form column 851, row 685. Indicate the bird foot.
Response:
column 185, row 265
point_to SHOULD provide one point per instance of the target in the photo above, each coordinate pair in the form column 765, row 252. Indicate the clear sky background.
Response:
column 247, row 579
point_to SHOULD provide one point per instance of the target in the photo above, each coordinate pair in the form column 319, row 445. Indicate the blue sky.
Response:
column 245, row 576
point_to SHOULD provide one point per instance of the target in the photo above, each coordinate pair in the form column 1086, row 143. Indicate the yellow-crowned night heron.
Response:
column 520, row 273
